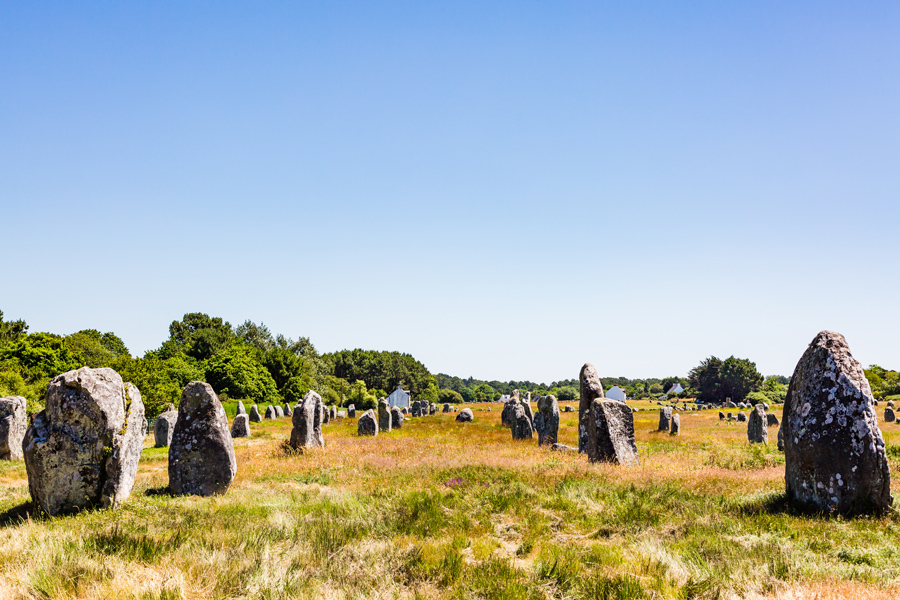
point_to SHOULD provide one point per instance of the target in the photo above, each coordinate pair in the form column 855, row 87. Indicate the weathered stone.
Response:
column 240, row 427
column 416, row 409
column 83, row 449
column 351, row 411
column 396, row 417
column 279, row 412
column 255, row 417
column 676, row 425
column 730, row 404
column 757, row 426
column 590, row 389
column 781, row 439
column 521, row 429
column 611, row 433
column 367, row 423
column 569, row 408
column 890, row 403
column 326, row 414
column 665, row 419
column 342, row 414
column 201, row 457
column 240, row 409
column 384, row 416
column 163, row 428
column 721, row 415
column 446, row 408
column 286, row 410
column 730, row 416
column 835, row 457
column 507, row 415
column 307, row 421
column 333, row 413
column 405, row 410
column 888, row 415
column 562, row 447
column 270, row 412
column 771, row 420
column 546, row 421
column 13, row 423
column 465, row 416
column 432, row 408
column 741, row 417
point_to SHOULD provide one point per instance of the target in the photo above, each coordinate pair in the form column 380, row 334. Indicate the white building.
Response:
column 675, row 389
column 399, row 397
column 616, row 393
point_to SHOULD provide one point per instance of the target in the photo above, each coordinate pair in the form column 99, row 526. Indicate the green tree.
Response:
column 450, row 397
column 11, row 331
column 96, row 349
column 160, row 380
column 39, row 355
column 236, row 373
column 739, row 377
column 704, row 380
column 200, row 336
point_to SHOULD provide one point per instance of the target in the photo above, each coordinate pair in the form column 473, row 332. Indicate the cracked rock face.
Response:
column 83, row 449
column 546, row 421
column 757, row 426
column 240, row 427
column 367, row 424
column 611, row 433
column 591, row 389
column 835, row 458
column 13, row 423
column 201, row 456
column 309, row 414
column 521, row 429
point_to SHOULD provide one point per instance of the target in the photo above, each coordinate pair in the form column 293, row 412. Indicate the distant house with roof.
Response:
column 399, row 397
column 616, row 393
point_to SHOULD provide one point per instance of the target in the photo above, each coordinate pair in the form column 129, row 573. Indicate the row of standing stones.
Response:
column 83, row 449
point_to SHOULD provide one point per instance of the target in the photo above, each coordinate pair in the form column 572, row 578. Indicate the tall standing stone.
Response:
column 432, row 408
column 351, row 411
column 676, row 425
column 521, row 429
column 270, row 412
column 757, row 426
column 240, row 426
column 384, row 415
column 164, row 428
column 416, row 409
column 772, row 420
column 279, row 412
column 83, row 449
column 326, row 414
column 255, row 417
column 665, row 418
column 13, row 423
column 240, row 409
column 591, row 389
column 307, row 422
column 396, row 417
column 446, row 408
column 367, row 424
column 889, row 415
column 835, row 458
column 286, row 410
column 546, row 421
column 507, row 415
column 611, row 433
column 201, row 457
column 333, row 412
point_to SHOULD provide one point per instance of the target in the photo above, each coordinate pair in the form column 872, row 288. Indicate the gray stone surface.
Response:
column 351, row 411
column 521, row 429
column 416, row 409
column 309, row 414
column 384, row 416
column 465, row 416
column 255, row 417
column 590, row 389
column 240, row 426
column 396, row 417
column 757, row 426
column 721, row 415
column 279, row 412
column 569, row 408
column 665, row 419
column 835, row 457
column 889, row 415
column 546, row 421
column 83, row 449
column 240, row 409
column 270, row 412
column 562, row 447
column 676, row 425
column 13, row 423
column 507, row 415
column 780, row 439
column 164, row 428
column 611, row 433
column 772, row 420
column 432, row 408
column 332, row 413
column 201, row 457
column 446, row 408
column 286, row 410
column 367, row 423
column 741, row 417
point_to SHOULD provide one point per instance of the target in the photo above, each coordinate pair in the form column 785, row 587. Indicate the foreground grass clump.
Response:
column 447, row 510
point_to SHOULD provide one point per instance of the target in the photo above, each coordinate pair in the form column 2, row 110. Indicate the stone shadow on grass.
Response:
column 162, row 490
column 777, row 503
column 21, row 513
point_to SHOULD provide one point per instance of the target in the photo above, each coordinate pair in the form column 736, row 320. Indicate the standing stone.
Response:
column 164, row 428
column 351, row 411
column 568, row 408
column 13, row 423
column 546, row 421
column 446, row 407
column 507, row 415
column 333, row 411
column 465, row 416
column 307, row 421
column 730, row 416
column 83, row 449
column 416, row 409
column 835, row 458
column 240, row 408
column 240, row 427
column 201, row 457
column 665, row 418
column 286, row 410
column 757, row 426
column 396, row 417
column 279, row 412
column 521, row 429
column 676, row 425
column 729, row 403
column 591, row 389
column 781, row 439
column 432, row 408
column 384, row 416
column 270, row 412
column 255, row 417
column 611, row 433
column 405, row 410
column 771, row 420
column 326, row 414
column 741, row 417
column 367, row 424
column 888, row 415
column 890, row 403
column 721, row 415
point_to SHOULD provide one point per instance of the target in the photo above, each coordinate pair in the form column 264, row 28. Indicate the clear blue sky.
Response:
column 504, row 190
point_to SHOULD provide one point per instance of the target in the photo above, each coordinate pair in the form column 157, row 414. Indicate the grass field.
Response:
column 447, row 510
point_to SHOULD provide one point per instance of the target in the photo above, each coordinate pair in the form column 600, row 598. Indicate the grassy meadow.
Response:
column 441, row 509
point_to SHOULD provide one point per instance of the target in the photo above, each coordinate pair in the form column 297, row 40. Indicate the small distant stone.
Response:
column 367, row 424
column 757, row 431
column 287, row 410
column 446, row 408
column 240, row 427
column 771, row 420
column 396, row 417
column 270, row 412
column 13, row 423
column 721, row 415
column 741, row 417
column 465, row 416
column 351, row 411
column 163, row 428
column 279, row 412
column 562, row 447
column 676, row 425
column 255, row 417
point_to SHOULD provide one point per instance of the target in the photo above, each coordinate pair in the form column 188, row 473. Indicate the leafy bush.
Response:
column 236, row 372
column 450, row 397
